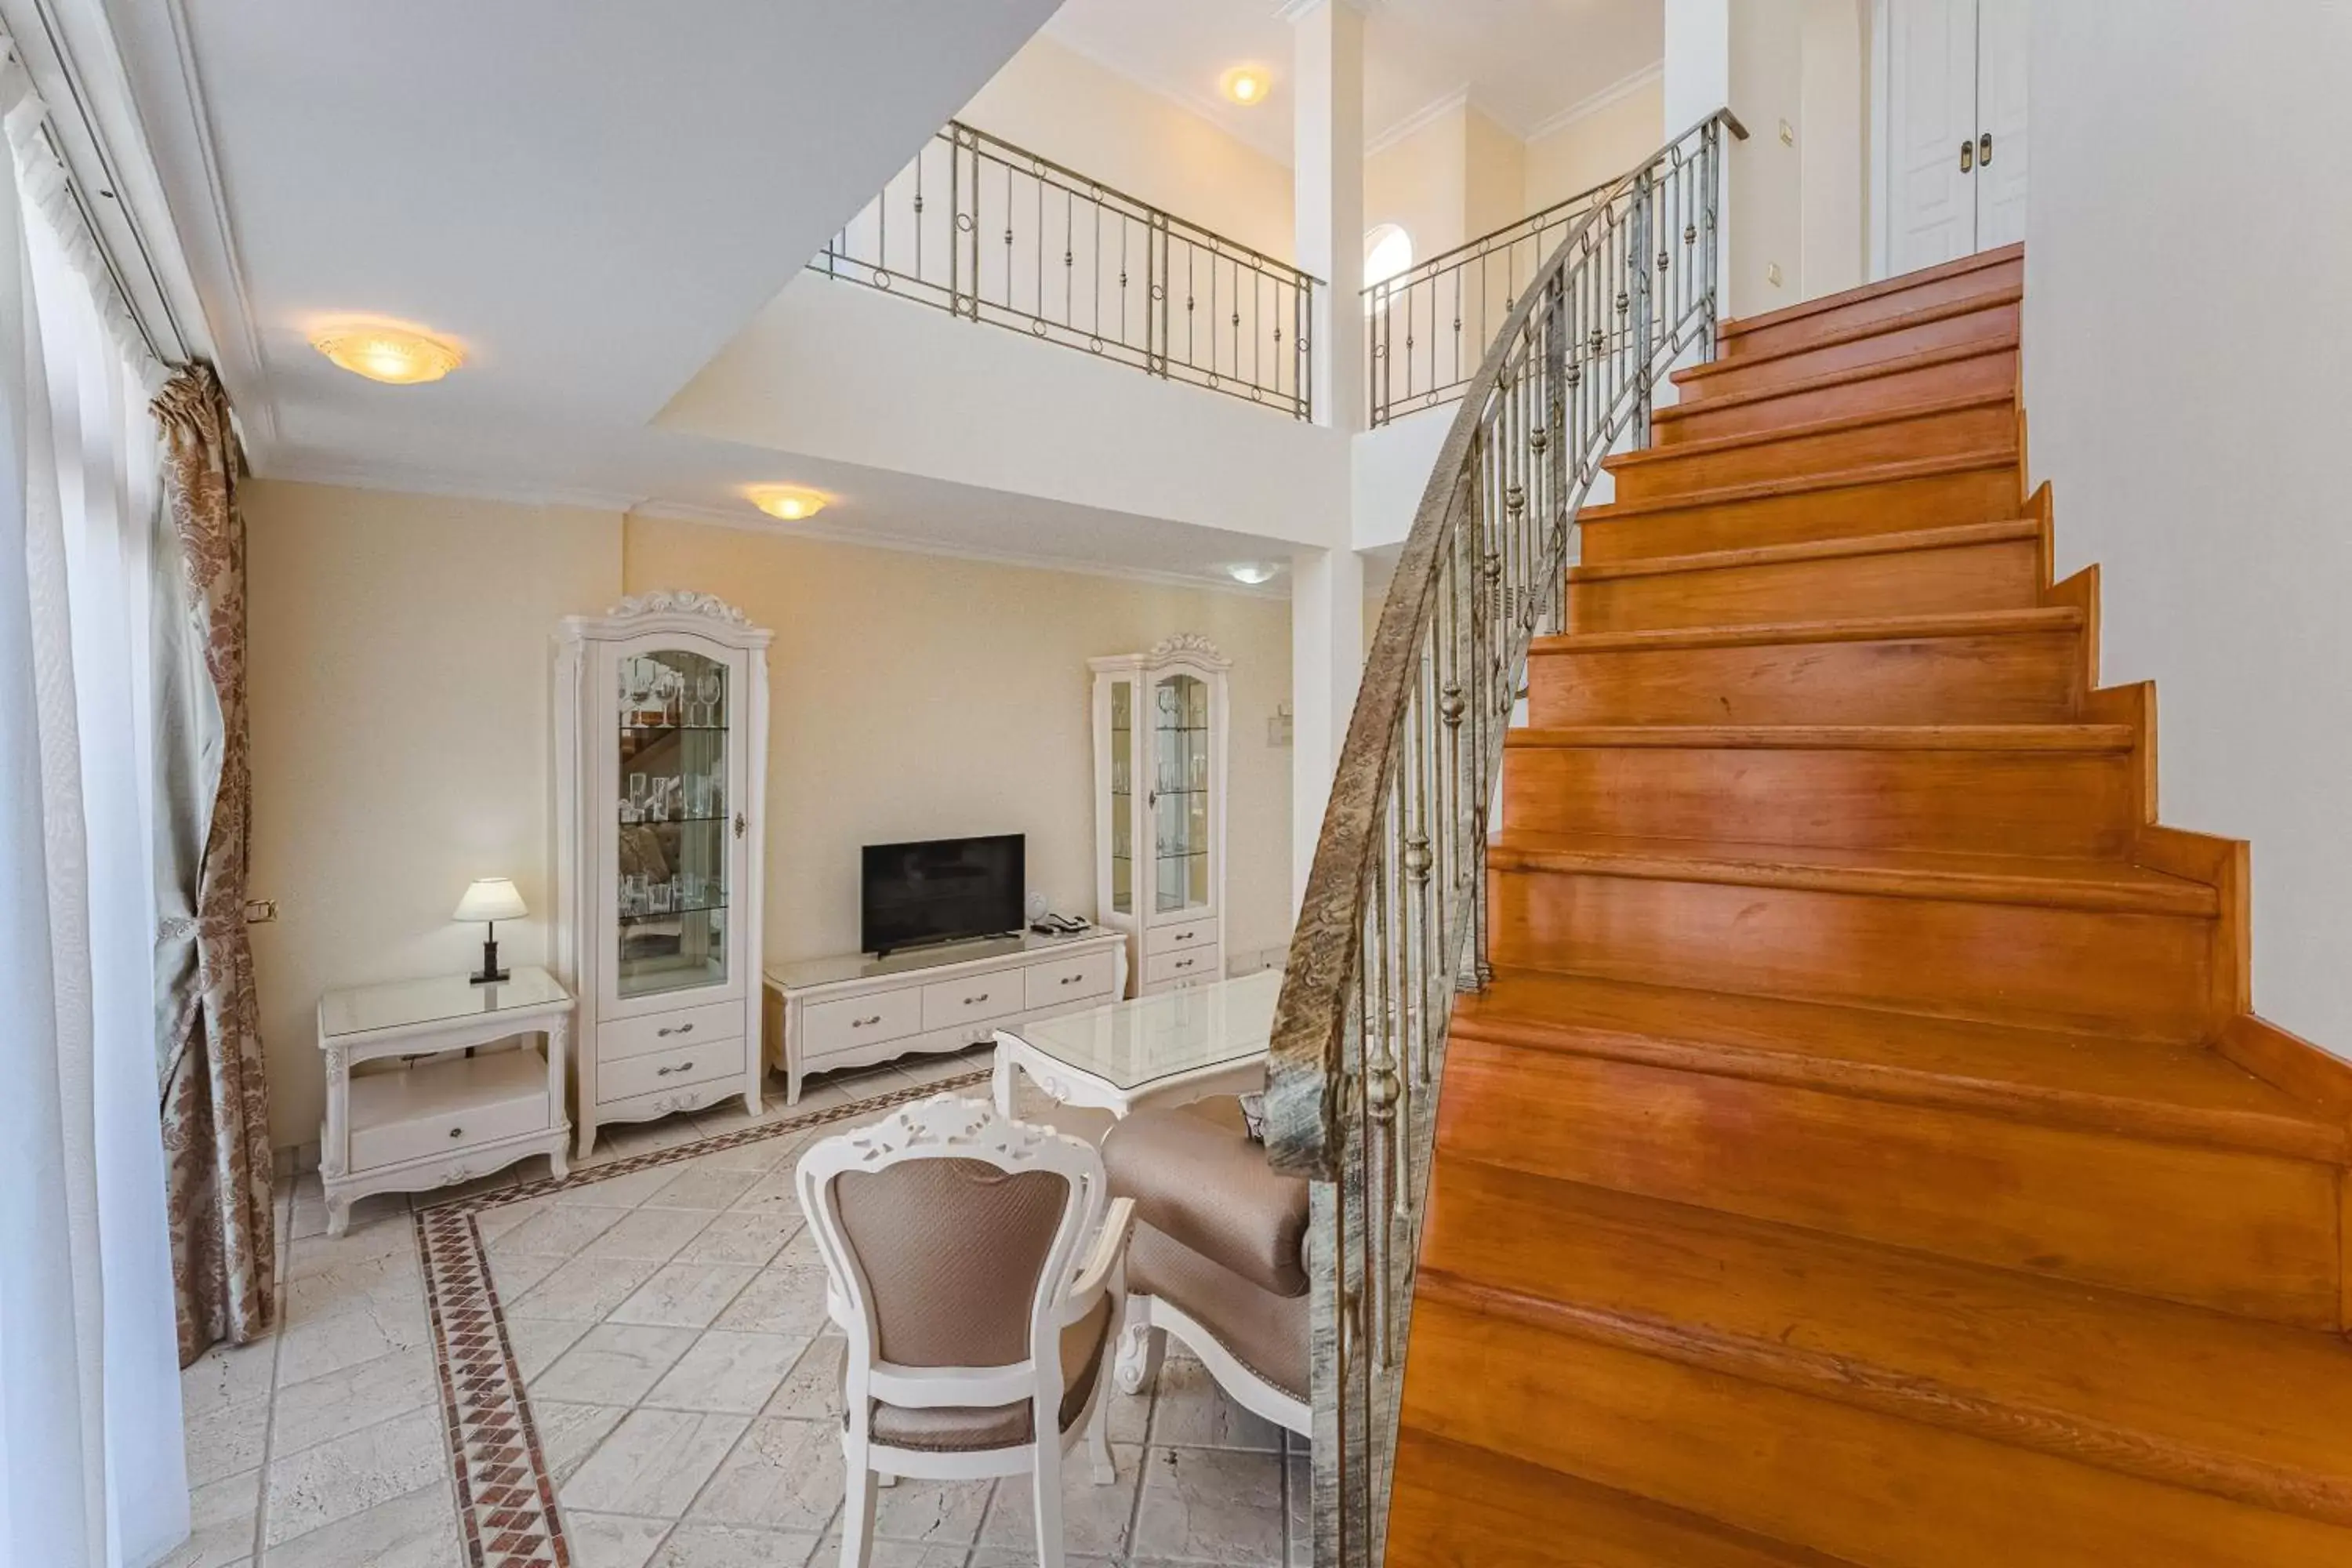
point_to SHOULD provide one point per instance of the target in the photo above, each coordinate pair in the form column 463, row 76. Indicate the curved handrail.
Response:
column 1393, row 919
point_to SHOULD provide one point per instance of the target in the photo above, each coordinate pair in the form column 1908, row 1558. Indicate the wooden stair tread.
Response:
column 2173, row 1092
column 1467, row 1507
column 2069, row 738
column 1991, row 299
column 2110, row 885
column 1648, row 457
column 1821, row 381
column 1805, row 484
column 1874, row 629
column 2176, row 1394
column 1976, row 261
column 1812, row 550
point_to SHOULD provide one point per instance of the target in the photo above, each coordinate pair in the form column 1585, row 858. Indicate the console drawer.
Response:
column 948, row 1004
column 851, row 1022
column 672, row 1068
column 660, row 1031
column 1175, row 938
column 1072, row 979
column 440, row 1106
column 1181, row 966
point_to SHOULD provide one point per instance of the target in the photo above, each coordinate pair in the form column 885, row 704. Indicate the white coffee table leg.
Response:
column 1002, row 1076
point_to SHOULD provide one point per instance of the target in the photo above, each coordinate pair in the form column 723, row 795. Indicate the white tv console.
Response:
column 825, row 1014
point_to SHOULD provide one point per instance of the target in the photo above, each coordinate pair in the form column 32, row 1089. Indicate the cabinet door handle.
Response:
column 1968, row 155
column 665, row 1072
column 1984, row 151
column 739, row 825
column 674, row 1029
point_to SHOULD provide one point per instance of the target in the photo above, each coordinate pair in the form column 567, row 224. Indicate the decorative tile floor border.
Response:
column 506, row 1498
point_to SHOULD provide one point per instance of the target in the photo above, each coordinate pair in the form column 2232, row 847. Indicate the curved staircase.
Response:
column 1864, row 1153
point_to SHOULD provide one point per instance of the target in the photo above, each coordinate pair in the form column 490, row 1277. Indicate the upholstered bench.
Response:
column 1217, row 1255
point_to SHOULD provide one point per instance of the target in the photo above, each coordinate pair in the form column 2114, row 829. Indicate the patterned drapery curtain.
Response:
column 215, row 1102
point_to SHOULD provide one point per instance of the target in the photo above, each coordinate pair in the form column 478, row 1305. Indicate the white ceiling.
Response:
column 1525, row 63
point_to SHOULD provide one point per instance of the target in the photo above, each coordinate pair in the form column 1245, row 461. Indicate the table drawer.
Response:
column 659, row 1032
column 1176, row 938
column 1181, row 966
column 437, row 1108
column 855, row 1021
column 672, row 1068
column 950, row 1004
column 1069, row 979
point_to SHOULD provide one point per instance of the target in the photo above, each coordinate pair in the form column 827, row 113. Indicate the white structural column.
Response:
column 1327, row 586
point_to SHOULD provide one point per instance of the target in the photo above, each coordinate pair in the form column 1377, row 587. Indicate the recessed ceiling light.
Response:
column 1245, row 84
column 392, row 354
column 788, row 503
column 1250, row 572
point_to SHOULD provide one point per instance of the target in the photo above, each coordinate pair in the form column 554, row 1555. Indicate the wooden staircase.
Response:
column 1864, row 1153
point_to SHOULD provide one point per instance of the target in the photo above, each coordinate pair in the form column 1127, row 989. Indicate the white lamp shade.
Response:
column 490, row 899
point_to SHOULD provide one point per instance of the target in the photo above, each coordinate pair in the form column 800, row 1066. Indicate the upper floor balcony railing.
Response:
column 1432, row 324
column 990, row 232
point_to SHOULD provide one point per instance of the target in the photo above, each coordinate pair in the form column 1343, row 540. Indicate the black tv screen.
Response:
column 940, row 891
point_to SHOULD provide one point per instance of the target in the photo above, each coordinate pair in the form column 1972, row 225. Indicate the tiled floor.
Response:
column 669, row 1327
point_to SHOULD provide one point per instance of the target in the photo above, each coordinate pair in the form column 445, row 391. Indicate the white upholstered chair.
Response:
column 978, row 1333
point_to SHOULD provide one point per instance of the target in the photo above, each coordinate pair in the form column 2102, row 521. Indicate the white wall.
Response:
column 2185, row 316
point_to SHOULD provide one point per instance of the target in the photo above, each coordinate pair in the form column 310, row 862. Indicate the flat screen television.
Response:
column 941, row 890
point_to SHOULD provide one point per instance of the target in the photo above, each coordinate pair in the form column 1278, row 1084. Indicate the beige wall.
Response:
column 399, row 696
column 919, row 696
column 400, row 659
column 1055, row 102
column 1419, row 182
column 1494, row 176
column 1597, row 146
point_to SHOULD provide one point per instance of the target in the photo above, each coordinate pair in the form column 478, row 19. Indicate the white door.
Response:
column 1952, row 85
column 2001, row 123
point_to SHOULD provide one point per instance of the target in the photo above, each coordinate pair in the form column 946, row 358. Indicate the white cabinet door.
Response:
column 2002, row 46
column 1931, row 97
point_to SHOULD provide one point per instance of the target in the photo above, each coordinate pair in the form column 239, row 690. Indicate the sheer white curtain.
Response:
column 91, row 1472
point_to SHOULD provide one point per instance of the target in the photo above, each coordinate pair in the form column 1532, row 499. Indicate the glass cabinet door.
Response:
column 671, row 738
column 1179, row 797
column 1122, row 804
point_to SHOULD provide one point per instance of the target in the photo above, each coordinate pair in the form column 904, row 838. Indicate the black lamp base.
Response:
column 490, row 974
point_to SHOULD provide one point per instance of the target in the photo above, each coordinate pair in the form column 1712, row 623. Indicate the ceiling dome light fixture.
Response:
column 395, row 356
column 1250, row 572
column 788, row 503
column 1245, row 84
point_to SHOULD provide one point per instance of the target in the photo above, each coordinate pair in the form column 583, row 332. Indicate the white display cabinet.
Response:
column 1160, row 724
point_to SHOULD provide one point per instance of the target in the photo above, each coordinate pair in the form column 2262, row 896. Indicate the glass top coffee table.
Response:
column 1175, row 1046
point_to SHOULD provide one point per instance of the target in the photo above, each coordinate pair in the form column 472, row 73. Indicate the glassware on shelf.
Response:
column 710, row 688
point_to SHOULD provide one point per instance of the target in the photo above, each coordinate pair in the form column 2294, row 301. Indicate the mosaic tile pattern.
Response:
column 633, row 1369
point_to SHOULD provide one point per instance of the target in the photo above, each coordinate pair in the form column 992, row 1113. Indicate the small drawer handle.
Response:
column 1184, row 936
column 1069, row 979
column 975, row 1001
column 679, row 1029
column 665, row 1072
column 1184, row 963
column 861, row 1023
column 457, row 1132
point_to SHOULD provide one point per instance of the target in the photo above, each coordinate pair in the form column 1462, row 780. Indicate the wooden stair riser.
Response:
column 2245, row 1232
column 1731, row 377
column 2019, row 802
column 2098, row 970
column 1853, row 1482
column 1987, row 367
column 2007, row 678
column 1999, row 575
column 1787, row 330
column 1460, row 1507
column 1847, row 512
column 1979, row 427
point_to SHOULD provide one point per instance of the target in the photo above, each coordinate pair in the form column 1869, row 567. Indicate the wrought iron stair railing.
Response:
column 990, row 232
column 1393, row 924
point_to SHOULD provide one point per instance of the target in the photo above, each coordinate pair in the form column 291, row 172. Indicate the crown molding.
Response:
column 833, row 533
column 1594, row 102
column 400, row 480
column 1428, row 114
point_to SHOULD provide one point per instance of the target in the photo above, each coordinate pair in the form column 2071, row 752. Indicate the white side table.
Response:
column 453, row 1118
column 1168, row 1047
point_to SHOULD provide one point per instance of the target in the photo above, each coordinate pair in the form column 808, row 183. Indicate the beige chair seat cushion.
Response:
column 1197, row 1177
column 1265, row 1333
column 957, row 1429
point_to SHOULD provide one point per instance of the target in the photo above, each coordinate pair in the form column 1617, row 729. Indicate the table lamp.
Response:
column 490, row 899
